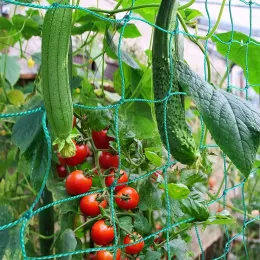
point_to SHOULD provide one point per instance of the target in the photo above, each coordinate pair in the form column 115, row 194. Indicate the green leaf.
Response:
column 131, row 31
column 10, row 66
column 237, row 52
column 177, row 191
column 126, row 58
column 126, row 223
column 9, row 238
column 149, row 197
column 152, row 255
column 195, row 206
column 26, row 130
column 99, row 119
column 78, row 247
column 5, row 24
column 142, row 225
column 233, row 122
column 67, row 242
column 179, row 249
column 189, row 14
column 26, row 25
column 191, row 176
column 153, row 158
column 221, row 218
column 39, row 162
column 16, row 97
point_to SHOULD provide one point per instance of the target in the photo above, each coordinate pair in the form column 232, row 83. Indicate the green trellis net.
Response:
column 24, row 219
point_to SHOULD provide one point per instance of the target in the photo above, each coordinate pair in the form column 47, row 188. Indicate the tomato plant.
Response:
column 107, row 255
column 136, row 248
column 61, row 170
column 110, row 118
column 101, row 140
column 108, row 160
column 77, row 183
column 82, row 152
column 127, row 198
column 121, row 178
column 102, row 233
column 89, row 205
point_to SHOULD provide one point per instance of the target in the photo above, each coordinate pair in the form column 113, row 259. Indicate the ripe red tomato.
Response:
column 107, row 160
column 101, row 233
column 77, row 183
column 61, row 160
column 122, row 178
column 107, row 255
column 89, row 205
column 129, row 200
column 134, row 249
column 101, row 140
column 61, row 170
column 82, row 152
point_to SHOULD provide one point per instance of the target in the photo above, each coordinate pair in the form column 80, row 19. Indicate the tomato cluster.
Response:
column 80, row 181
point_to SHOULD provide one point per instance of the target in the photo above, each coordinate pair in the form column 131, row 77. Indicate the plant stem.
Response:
column 231, row 207
column 191, row 2
column 86, row 223
column 253, row 189
column 197, row 42
column 216, row 24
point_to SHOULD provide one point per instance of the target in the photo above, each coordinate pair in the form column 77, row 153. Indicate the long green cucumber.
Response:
column 182, row 145
column 55, row 73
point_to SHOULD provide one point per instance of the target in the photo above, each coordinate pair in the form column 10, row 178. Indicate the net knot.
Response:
column 27, row 215
column 127, row 18
column 54, row 5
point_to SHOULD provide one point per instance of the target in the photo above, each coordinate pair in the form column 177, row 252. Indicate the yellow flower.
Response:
column 30, row 63
column 77, row 90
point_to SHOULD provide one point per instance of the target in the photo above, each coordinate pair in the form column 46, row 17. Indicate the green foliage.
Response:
column 237, row 50
column 8, row 64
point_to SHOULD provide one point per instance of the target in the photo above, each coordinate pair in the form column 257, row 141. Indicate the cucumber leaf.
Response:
column 233, row 122
column 190, row 176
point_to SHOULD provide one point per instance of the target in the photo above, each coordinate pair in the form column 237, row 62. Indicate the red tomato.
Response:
column 101, row 233
column 129, row 200
column 82, row 152
column 61, row 170
column 74, row 121
column 61, row 160
column 77, row 183
column 89, row 205
column 101, row 140
column 91, row 256
column 134, row 249
column 157, row 176
column 122, row 178
column 107, row 255
column 107, row 160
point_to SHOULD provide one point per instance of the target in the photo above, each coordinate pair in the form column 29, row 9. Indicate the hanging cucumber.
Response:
column 182, row 145
column 55, row 77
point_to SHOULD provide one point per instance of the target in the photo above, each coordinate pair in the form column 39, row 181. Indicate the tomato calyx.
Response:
column 124, row 197
column 100, row 197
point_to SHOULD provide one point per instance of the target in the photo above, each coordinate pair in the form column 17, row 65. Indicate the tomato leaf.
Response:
column 67, row 242
column 221, row 218
column 195, row 206
column 190, row 176
column 149, row 197
column 177, row 191
column 126, row 223
column 237, row 53
column 99, row 119
column 233, row 122
column 152, row 255
column 142, row 225
column 179, row 249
